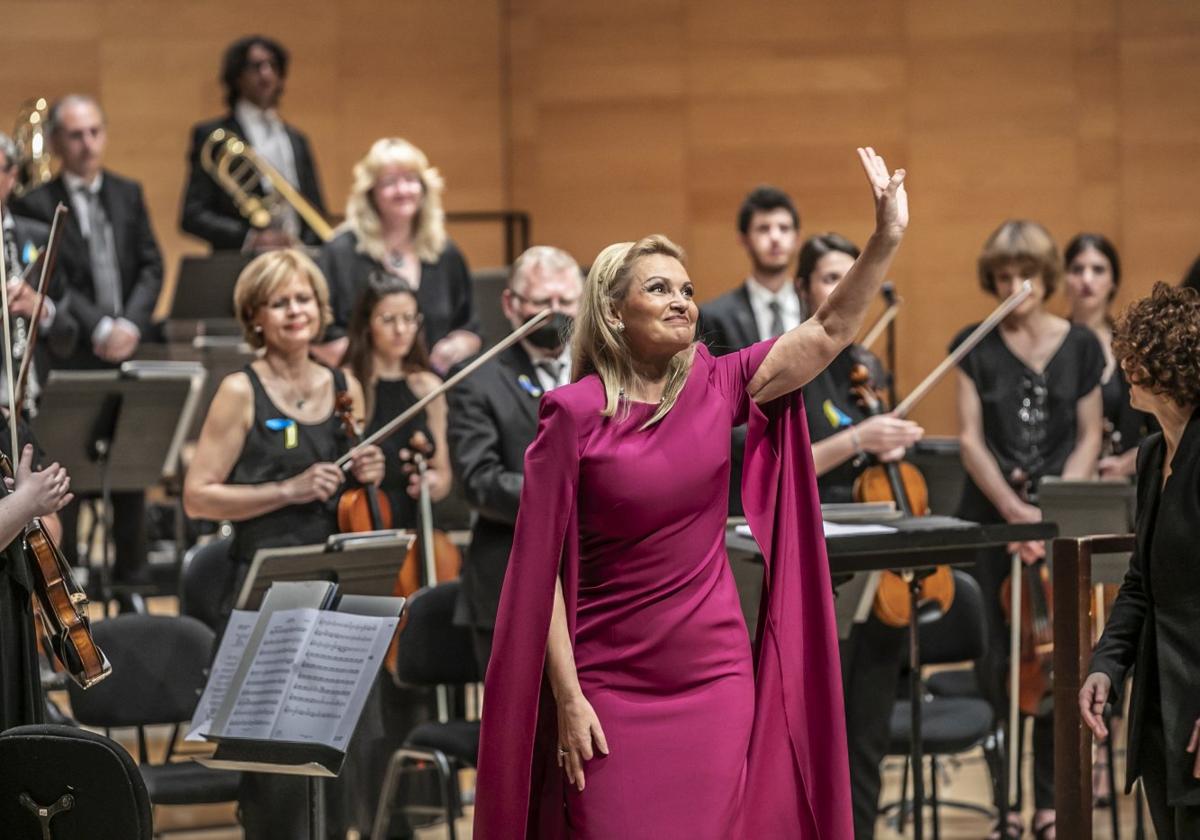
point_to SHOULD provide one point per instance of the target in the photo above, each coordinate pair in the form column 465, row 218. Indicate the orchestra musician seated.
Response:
column 395, row 225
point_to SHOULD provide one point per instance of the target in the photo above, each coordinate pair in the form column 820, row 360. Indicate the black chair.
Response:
column 433, row 652
column 206, row 577
column 69, row 784
column 949, row 724
column 487, row 284
column 159, row 669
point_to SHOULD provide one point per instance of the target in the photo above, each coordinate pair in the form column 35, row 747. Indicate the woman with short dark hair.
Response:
column 1154, row 626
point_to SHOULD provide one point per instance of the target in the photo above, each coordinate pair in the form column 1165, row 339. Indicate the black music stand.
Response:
column 118, row 430
column 204, row 290
column 362, row 564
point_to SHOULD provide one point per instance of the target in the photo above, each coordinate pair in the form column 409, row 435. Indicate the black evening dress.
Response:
column 393, row 397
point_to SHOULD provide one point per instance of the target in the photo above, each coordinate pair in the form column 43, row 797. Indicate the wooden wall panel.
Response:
column 609, row 120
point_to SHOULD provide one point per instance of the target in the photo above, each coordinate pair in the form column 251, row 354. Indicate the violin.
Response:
column 903, row 483
column 1036, row 665
column 359, row 508
column 61, row 604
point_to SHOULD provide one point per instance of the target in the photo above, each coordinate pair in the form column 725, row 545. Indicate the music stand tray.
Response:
column 140, row 413
column 1086, row 508
column 365, row 563
column 204, row 290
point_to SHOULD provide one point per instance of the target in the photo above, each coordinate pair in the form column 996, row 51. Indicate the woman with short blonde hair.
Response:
column 395, row 225
column 622, row 683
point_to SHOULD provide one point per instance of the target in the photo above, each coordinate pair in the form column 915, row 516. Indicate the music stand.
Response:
column 1084, row 508
column 366, row 563
column 204, row 290
column 134, row 420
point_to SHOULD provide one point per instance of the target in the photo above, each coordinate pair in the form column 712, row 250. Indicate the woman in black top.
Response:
column 387, row 354
column 395, row 225
column 1093, row 276
column 843, row 437
column 1028, row 406
column 1155, row 622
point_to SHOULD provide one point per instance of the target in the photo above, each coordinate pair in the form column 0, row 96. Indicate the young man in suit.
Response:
column 493, row 419
column 765, row 305
column 113, row 276
column 253, row 73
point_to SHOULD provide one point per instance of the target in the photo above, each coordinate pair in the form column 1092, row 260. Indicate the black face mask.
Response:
column 553, row 333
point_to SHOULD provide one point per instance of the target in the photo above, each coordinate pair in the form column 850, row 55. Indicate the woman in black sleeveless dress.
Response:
column 1029, row 406
column 264, row 458
column 1154, row 626
column 387, row 354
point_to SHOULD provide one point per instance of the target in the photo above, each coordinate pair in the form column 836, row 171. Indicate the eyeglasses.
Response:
column 546, row 303
column 404, row 322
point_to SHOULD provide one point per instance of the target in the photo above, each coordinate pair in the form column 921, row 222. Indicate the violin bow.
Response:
column 977, row 335
column 13, row 412
column 889, row 314
column 419, row 406
column 48, row 258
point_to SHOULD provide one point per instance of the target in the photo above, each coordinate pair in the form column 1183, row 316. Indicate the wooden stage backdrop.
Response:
column 608, row 120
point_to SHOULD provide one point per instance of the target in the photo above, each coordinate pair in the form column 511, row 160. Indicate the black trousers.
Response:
column 872, row 658
column 992, row 674
column 128, row 534
column 1170, row 822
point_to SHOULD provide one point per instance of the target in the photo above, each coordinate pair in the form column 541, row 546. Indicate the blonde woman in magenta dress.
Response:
column 624, row 698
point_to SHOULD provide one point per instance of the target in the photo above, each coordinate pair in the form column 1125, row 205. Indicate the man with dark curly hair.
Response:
column 1155, row 623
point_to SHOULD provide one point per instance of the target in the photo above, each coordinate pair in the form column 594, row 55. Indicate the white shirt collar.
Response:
column 249, row 114
column 75, row 183
column 789, row 301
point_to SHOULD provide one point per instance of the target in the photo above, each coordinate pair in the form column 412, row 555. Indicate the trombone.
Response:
column 238, row 170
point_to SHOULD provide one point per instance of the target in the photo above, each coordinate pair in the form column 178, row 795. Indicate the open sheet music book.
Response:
column 289, row 681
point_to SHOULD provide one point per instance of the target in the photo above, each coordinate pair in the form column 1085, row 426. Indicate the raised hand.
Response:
column 891, row 201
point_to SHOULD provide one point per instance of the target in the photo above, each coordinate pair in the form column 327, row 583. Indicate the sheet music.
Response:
column 229, row 654
column 838, row 529
column 310, row 677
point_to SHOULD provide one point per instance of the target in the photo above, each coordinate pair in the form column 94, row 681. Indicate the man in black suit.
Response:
column 24, row 239
column 493, row 419
column 765, row 305
column 113, row 277
column 253, row 73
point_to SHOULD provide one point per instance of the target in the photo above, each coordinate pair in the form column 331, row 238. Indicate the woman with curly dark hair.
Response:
column 1155, row 623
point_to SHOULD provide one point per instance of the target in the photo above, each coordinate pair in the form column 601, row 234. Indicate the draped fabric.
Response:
column 795, row 780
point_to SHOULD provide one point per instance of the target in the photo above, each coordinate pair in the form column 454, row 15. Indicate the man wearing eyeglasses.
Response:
column 253, row 73
column 493, row 419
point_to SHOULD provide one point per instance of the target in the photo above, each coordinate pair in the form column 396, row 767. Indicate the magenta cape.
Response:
column 797, row 776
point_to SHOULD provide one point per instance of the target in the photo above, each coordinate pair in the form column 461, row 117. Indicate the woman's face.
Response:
column 826, row 274
column 291, row 317
column 397, row 195
column 394, row 325
column 1007, row 279
column 1090, row 281
column 658, row 311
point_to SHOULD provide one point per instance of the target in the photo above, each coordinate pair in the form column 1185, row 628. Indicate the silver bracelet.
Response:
column 858, row 450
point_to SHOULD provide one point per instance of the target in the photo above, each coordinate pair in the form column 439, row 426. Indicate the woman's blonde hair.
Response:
column 429, row 226
column 264, row 275
column 597, row 347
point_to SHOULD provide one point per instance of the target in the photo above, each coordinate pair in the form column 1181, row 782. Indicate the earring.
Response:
column 258, row 328
column 620, row 326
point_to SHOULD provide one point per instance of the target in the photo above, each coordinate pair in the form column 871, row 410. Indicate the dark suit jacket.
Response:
column 492, row 420
column 138, row 257
column 1131, row 638
column 209, row 213
column 58, row 343
column 445, row 295
column 727, row 323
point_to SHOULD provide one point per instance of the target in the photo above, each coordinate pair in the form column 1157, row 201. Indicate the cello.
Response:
column 61, row 604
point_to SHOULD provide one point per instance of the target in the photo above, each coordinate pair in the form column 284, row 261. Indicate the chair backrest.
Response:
column 90, row 777
column 432, row 650
column 159, row 667
column 961, row 634
column 206, row 578
column 487, row 284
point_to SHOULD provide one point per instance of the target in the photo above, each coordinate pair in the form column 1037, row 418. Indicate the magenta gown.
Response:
column 702, row 744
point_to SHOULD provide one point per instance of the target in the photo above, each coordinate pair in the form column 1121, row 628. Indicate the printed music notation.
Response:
column 307, row 681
